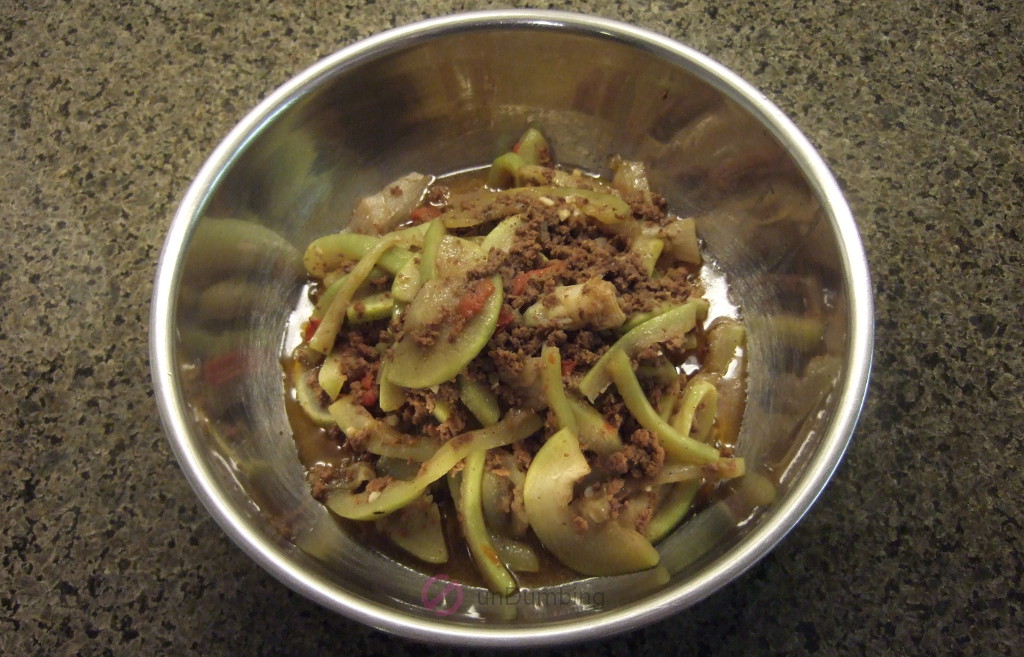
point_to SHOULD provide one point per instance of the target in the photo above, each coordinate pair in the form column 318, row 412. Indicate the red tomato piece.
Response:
column 425, row 213
column 520, row 281
column 505, row 317
column 472, row 302
column 310, row 329
column 369, row 394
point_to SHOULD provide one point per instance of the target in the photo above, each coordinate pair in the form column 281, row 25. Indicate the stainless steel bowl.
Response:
column 453, row 92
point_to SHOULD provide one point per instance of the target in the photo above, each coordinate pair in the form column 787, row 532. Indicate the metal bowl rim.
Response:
column 270, row 556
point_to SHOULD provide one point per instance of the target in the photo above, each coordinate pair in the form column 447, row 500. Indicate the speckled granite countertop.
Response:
column 917, row 546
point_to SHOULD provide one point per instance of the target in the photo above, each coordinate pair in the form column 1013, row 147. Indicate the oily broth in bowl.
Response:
column 330, row 453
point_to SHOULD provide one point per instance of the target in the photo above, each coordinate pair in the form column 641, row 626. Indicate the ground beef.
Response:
column 648, row 355
column 418, row 407
column 321, row 478
column 496, row 462
column 510, row 349
column 378, row 484
column 648, row 294
column 487, row 370
column 612, row 408
column 647, row 207
column 570, row 251
column 416, row 415
column 437, row 196
column 458, row 418
column 642, row 456
column 676, row 350
column 357, row 348
column 426, row 334
column 643, row 518
column 616, row 491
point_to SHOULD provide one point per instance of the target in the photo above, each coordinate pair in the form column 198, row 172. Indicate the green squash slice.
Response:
column 673, row 508
column 605, row 549
column 418, row 530
column 494, row 571
column 480, row 401
column 421, row 366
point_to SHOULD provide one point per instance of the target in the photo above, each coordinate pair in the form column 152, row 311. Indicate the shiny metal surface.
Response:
column 443, row 95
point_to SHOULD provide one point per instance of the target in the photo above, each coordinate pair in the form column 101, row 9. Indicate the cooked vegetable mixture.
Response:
column 528, row 359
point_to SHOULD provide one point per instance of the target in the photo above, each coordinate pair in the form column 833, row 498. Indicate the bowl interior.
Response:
column 447, row 96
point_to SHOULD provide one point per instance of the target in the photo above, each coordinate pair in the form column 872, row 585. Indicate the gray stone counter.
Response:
column 916, row 547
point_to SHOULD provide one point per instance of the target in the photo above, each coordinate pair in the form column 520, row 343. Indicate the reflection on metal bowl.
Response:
column 440, row 96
